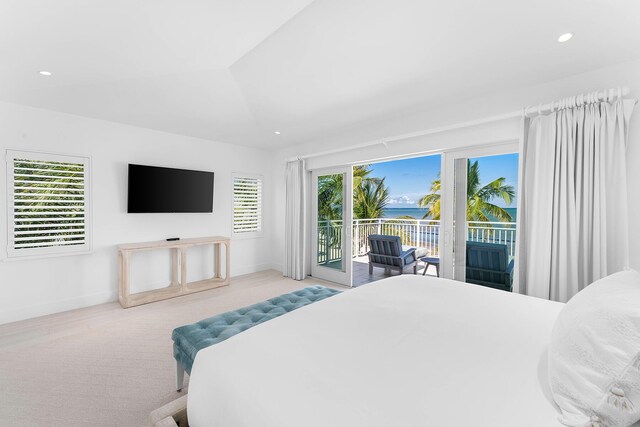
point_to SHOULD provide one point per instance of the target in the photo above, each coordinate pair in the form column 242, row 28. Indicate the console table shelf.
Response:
column 179, row 285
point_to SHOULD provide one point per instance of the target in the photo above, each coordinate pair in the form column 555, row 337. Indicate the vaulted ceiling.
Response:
column 238, row 70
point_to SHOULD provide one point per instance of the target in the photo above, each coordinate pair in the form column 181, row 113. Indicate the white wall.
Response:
column 42, row 286
column 36, row 287
column 626, row 74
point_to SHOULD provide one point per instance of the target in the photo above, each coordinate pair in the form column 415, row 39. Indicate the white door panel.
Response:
column 331, row 224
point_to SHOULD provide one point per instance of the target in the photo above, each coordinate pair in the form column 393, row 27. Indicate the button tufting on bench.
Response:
column 189, row 339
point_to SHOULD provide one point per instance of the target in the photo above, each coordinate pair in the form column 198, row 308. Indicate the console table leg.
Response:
column 174, row 267
column 124, row 280
column 216, row 261
column 228, row 259
column 120, row 273
column 183, row 268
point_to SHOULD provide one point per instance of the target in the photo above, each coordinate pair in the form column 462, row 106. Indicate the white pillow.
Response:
column 594, row 354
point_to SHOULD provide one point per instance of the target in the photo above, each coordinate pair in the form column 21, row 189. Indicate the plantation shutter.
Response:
column 47, row 204
column 247, row 204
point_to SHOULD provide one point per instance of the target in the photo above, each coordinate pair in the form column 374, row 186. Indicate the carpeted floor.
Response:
column 106, row 366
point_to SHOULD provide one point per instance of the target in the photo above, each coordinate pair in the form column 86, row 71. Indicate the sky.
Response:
column 410, row 179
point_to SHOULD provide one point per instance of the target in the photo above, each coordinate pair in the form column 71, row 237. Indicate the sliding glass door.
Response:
column 331, row 201
column 473, row 225
column 479, row 215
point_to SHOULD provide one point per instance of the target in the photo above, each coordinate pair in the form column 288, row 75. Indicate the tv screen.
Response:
column 154, row 189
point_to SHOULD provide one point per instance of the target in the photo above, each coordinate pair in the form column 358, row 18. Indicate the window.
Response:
column 47, row 202
column 247, row 204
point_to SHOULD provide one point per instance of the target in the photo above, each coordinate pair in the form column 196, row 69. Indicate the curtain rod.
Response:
column 432, row 131
column 552, row 106
column 574, row 101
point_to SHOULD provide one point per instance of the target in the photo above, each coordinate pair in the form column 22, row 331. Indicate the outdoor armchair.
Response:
column 386, row 252
column 488, row 265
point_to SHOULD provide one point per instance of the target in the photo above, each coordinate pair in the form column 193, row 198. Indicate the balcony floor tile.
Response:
column 361, row 274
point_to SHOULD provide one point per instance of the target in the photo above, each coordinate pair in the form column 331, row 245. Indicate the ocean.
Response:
column 418, row 213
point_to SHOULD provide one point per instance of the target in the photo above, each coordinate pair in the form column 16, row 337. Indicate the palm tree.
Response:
column 370, row 198
column 370, row 195
column 432, row 200
column 361, row 173
column 478, row 206
column 330, row 197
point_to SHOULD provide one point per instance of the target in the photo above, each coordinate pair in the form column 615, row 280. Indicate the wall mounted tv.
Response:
column 154, row 189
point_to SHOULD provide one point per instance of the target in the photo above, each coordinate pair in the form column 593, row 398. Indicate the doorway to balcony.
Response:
column 461, row 222
column 391, row 199
column 445, row 206
column 480, row 216
column 331, row 207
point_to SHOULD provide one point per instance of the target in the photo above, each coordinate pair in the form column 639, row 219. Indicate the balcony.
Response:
column 413, row 232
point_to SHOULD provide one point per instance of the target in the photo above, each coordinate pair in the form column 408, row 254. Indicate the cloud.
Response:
column 401, row 200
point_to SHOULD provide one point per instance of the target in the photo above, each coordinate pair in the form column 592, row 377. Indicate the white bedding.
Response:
column 405, row 351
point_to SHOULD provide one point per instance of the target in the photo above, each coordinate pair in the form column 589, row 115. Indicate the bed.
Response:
column 405, row 351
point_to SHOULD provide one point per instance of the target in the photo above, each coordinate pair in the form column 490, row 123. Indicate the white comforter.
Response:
column 406, row 351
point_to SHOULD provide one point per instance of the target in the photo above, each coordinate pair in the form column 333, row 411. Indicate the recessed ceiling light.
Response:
column 565, row 37
column 277, row 132
column 45, row 73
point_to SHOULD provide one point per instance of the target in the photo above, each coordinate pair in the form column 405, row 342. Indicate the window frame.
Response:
column 47, row 251
column 254, row 233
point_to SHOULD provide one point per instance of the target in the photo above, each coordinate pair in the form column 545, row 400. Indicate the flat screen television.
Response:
column 155, row 189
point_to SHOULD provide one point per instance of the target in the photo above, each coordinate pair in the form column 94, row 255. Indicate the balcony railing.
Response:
column 412, row 232
column 329, row 241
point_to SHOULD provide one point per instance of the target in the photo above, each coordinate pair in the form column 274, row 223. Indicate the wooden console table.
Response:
column 179, row 286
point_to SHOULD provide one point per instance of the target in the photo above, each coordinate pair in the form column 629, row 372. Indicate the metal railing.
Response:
column 329, row 241
column 413, row 232
column 493, row 232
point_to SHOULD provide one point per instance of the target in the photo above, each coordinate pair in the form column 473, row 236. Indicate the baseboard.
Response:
column 29, row 312
column 251, row 269
column 43, row 309
column 276, row 266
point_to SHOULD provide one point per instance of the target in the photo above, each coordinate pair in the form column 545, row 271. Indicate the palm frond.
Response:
column 497, row 212
column 497, row 189
column 370, row 198
column 478, row 200
column 473, row 177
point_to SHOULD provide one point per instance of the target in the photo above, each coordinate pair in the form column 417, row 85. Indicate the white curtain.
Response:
column 573, row 212
column 295, row 221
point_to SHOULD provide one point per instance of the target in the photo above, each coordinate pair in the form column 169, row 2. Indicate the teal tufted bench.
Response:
column 189, row 339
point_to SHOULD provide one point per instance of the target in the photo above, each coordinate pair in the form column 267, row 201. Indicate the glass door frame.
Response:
column 343, row 276
column 452, row 249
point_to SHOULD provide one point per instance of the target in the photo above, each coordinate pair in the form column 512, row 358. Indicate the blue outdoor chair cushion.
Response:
column 408, row 256
column 382, row 244
column 189, row 339
column 488, row 265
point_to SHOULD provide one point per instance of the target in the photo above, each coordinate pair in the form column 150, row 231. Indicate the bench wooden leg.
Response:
column 179, row 376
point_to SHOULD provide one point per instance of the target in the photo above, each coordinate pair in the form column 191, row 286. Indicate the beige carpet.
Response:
column 106, row 366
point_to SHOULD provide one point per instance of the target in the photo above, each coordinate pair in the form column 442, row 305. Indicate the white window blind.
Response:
column 48, row 210
column 247, row 204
